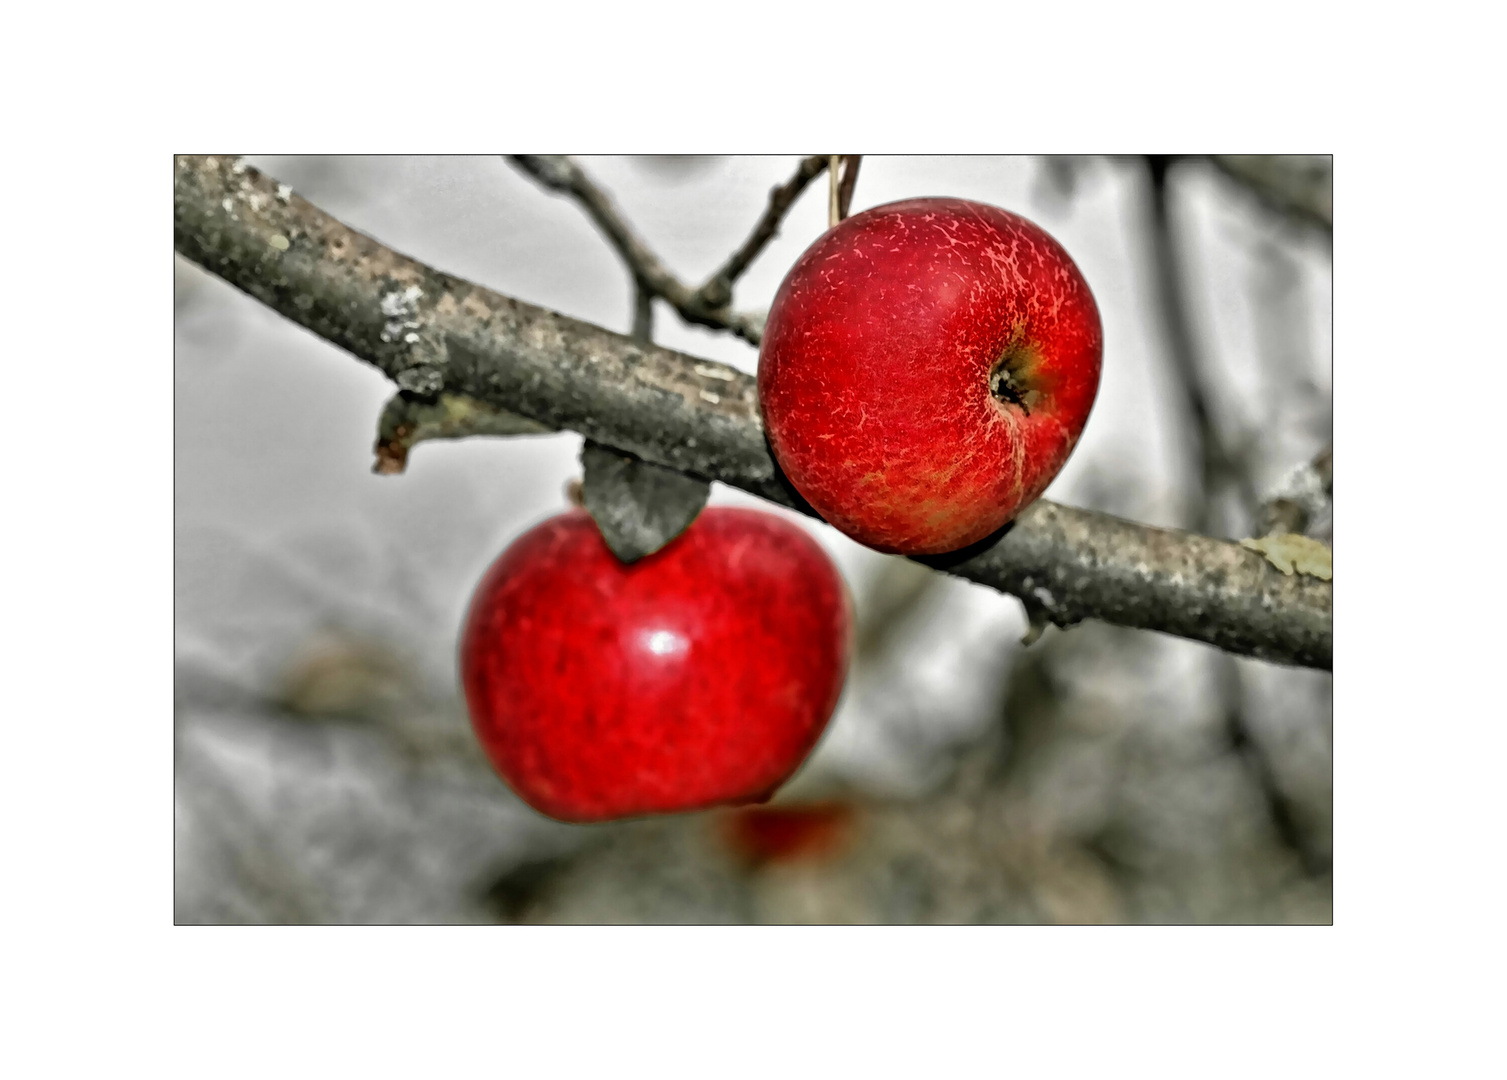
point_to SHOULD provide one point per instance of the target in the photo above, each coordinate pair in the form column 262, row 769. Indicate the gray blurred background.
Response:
column 325, row 770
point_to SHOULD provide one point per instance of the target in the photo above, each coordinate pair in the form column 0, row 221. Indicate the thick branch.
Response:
column 435, row 334
column 560, row 174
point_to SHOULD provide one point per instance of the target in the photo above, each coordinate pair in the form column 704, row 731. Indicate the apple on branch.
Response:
column 700, row 675
column 926, row 369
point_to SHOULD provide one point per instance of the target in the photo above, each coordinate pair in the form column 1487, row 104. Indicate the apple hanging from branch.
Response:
column 926, row 369
column 701, row 675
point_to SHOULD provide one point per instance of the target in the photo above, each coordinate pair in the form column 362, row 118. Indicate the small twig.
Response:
column 560, row 174
column 1323, row 464
column 718, row 290
column 643, row 313
column 1300, row 497
column 407, row 421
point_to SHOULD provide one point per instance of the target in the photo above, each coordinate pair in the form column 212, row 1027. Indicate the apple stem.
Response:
column 842, row 174
column 834, row 214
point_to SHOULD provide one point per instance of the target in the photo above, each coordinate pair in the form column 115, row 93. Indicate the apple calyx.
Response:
column 1010, row 382
column 1012, row 377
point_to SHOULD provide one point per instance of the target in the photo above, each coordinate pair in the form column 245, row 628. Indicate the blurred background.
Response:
column 325, row 769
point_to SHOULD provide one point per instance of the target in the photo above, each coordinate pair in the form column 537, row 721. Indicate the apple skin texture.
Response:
column 881, row 358
column 701, row 675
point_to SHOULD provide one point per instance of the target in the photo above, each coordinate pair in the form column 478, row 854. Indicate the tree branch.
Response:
column 643, row 314
column 435, row 334
column 407, row 421
column 559, row 173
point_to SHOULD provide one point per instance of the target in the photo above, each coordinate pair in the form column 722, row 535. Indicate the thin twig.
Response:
column 407, row 420
column 717, row 292
column 643, row 313
column 1300, row 497
column 435, row 334
column 558, row 173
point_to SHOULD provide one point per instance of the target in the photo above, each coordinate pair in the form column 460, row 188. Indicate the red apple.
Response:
column 926, row 369
column 807, row 832
column 700, row 675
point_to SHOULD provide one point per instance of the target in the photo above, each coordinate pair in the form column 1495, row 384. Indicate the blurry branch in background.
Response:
column 1218, row 463
column 706, row 306
column 1282, row 810
column 437, row 335
column 1058, row 177
column 898, row 591
column 1222, row 469
column 1300, row 498
column 1225, row 461
column 1298, row 185
column 256, row 879
column 643, row 312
